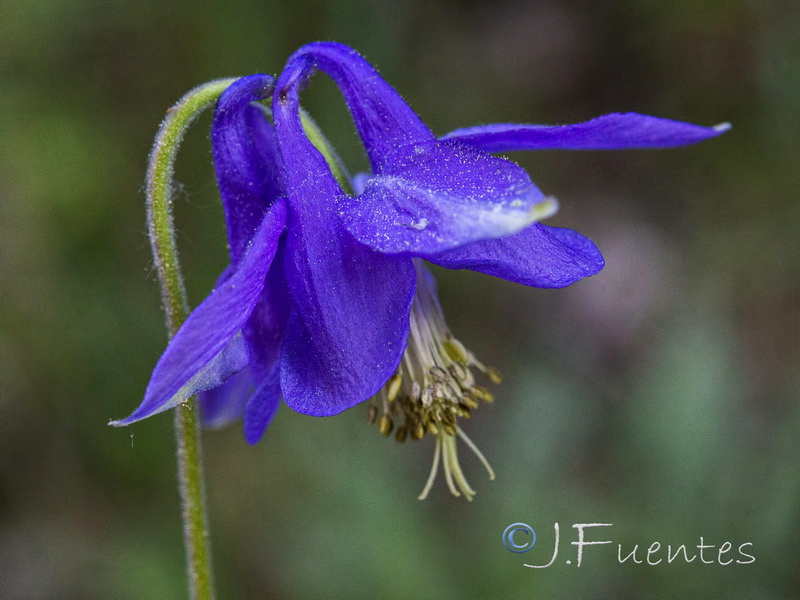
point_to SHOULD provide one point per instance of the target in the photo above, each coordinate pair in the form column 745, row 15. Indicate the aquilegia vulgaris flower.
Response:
column 327, row 301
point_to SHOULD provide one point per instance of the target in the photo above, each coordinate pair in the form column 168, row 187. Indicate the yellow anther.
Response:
column 483, row 393
column 455, row 350
column 385, row 425
column 393, row 386
column 470, row 402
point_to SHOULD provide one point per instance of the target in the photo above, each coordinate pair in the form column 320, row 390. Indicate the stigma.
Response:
column 434, row 386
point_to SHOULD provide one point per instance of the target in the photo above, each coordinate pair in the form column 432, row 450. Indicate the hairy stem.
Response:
column 173, row 296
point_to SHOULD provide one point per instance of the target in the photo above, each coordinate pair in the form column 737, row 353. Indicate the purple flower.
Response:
column 326, row 301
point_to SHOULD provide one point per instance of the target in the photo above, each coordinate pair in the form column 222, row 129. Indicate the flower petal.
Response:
column 209, row 347
column 349, row 323
column 383, row 119
column 262, row 406
column 224, row 404
column 444, row 195
column 539, row 256
column 245, row 158
column 426, row 196
column 616, row 131
column 348, row 330
column 267, row 323
column 264, row 333
column 246, row 391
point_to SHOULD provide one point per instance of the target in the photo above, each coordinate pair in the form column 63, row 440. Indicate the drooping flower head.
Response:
column 327, row 302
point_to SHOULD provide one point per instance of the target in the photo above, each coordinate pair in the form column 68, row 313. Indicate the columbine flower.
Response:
column 327, row 301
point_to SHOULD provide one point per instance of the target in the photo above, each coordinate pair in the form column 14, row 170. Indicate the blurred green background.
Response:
column 660, row 396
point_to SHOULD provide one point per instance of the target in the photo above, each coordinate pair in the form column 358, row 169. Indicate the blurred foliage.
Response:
column 660, row 396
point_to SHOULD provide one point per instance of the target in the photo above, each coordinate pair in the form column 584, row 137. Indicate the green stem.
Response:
column 321, row 143
column 176, row 307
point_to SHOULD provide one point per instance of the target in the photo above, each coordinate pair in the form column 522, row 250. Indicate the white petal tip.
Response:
column 722, row 127
column 544, row 209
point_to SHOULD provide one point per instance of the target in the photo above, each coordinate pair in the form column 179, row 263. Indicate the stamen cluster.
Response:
column 433, row 386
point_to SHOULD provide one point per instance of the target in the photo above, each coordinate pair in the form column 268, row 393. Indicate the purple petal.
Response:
column 209, row 347
column 245, row 158
column 359, row 181
column 267, row 323
column 616, row 131
column 224, row 404
column 348, row 328
column 383, row 119
column 443, row 195
column 539, row 256
column 426, row 196
column 263, row 333
column 262, row 406
column 240, row 397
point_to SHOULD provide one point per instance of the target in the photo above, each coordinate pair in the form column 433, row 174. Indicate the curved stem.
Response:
column 159, row 196
column 173, row 296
